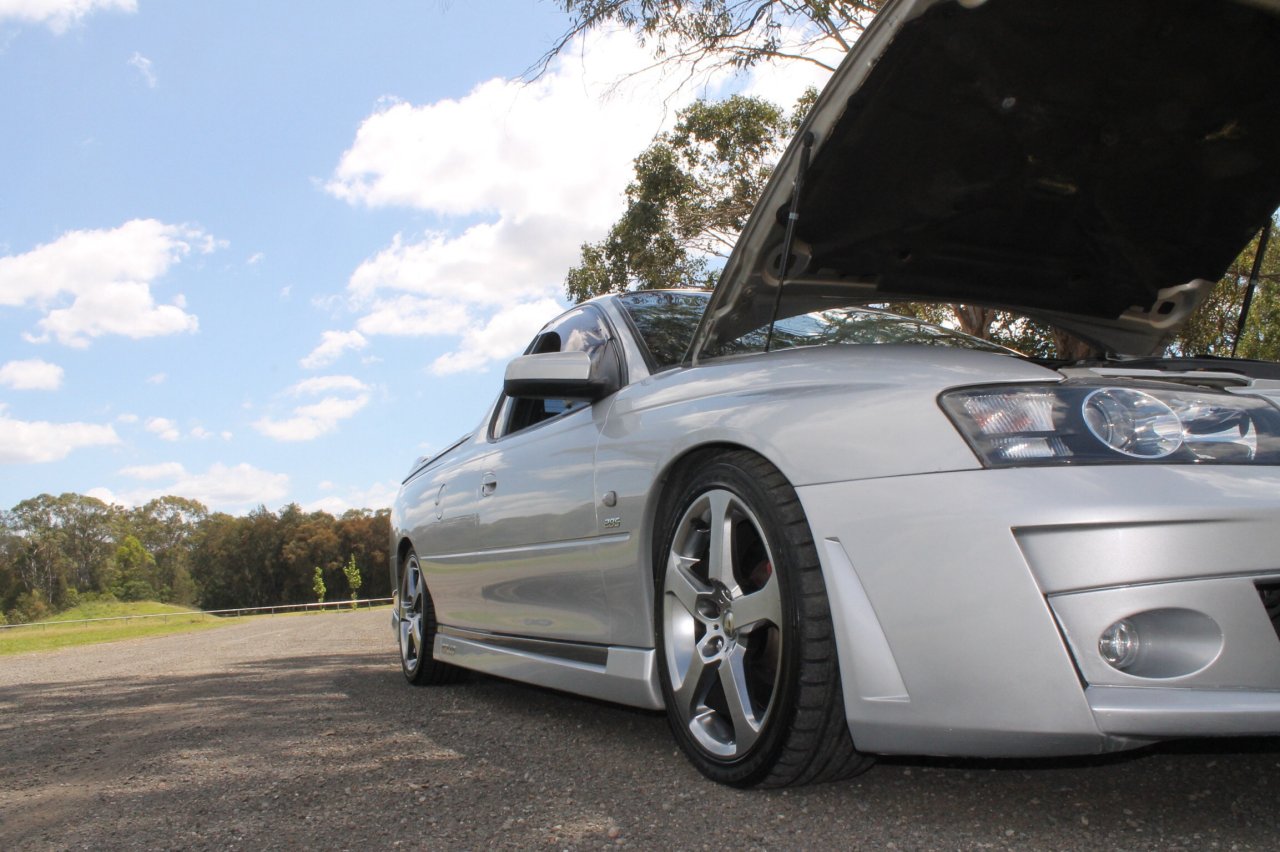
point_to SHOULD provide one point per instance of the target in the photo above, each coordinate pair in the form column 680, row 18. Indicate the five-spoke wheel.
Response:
column 417, row 628
column 746, row 657
column 722, row 624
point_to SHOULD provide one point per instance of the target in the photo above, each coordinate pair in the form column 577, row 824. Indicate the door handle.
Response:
column 488, row 485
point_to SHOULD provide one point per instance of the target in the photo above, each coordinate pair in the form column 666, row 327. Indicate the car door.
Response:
column 536, row 572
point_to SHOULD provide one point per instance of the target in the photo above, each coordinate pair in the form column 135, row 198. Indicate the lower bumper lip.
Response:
column 1156, row 712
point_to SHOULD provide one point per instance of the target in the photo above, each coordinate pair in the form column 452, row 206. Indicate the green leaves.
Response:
column 134, row 572
column 724, row 33
column 354, row 581
column 694, row 188
column 691, row 193
column 54, row 550
column 1212, row 329
column 317, row 584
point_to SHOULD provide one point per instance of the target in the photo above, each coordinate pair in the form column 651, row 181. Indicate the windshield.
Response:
column 855, row 325
column 666, row 322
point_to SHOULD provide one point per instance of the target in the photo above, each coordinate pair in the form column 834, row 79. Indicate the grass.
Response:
column 177, row 619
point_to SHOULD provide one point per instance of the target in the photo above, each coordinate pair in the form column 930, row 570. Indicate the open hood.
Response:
column 1096, row 164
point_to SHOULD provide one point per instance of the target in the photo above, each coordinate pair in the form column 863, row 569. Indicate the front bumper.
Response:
column 1172, row 712
column 968, row 606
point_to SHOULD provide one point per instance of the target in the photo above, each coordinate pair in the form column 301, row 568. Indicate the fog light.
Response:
column 1120, row 645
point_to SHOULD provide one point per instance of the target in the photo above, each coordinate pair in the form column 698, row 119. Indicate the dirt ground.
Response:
column 299, row 732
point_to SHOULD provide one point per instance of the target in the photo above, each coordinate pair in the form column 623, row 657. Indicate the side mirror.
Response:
column 562, row 375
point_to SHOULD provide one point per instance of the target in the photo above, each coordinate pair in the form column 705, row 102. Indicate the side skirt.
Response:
column 622, row 675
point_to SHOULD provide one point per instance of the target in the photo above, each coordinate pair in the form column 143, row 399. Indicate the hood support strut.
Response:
column 1263, row 238
column 792, row 217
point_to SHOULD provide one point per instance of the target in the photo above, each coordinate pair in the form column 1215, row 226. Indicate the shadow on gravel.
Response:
column 333, row 750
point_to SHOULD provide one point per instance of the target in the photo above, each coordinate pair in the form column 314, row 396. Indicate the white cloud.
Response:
column 332, row 504
column 222, row 488
column 503, row 336
column 414, row 315
column 346, row 396
column 332, row 345
column 59, row 15
column 125, row 309
column 311, row 421
column 92, row 283
column 541, row 164
column 32, row 374
column 487, row 264
column 106, row 495
column 164, row 428
column 143, row 64
column 127, row 418
column 537, row 168
column 512, row 147
column 164, row 470
column 785, row 81
column 255, row 258
column 377, row 496
column 157, row 378
column 321, row 384
column 41, row 441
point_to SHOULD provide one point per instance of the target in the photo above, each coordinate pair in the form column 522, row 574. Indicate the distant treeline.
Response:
column 56, row 551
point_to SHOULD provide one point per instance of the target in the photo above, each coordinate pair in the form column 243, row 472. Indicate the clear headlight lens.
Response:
column 1089, row 423
column 1133, row 422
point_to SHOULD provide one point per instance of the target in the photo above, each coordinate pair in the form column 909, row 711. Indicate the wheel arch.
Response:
column 811, row 740
column 670, row 480
column 402, row 553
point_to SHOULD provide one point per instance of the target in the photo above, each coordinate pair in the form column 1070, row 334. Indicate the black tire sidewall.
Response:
column 727, row 474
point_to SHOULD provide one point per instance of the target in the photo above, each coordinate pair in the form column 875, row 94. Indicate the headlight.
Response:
column 1091, row 423
column 1133, row 422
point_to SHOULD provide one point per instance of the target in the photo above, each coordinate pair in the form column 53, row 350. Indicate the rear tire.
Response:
column 746, row 650
column 417, row 629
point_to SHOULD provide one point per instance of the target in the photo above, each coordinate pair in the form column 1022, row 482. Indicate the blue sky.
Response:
column 261, row 253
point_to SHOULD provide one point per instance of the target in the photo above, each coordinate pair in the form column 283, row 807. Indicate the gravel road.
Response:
column 298, row 732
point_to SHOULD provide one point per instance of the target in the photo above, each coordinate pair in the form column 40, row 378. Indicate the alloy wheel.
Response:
column 722, row 625
column 412, row 591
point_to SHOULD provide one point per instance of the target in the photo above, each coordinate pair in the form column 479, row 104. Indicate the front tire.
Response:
column 746, row 652
column 417, row 629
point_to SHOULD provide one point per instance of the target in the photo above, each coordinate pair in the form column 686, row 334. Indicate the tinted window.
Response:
column 855, row 325
column 666, row 321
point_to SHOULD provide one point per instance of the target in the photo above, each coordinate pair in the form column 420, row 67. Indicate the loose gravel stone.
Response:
column 299, row 732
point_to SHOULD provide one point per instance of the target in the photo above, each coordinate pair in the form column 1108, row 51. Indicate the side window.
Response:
column 580, row 330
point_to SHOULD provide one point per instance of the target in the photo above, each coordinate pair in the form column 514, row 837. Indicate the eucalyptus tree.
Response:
column 1214, row 329
column 694, row 186
column 690, row 195
column 57, row 544
column 709, row 34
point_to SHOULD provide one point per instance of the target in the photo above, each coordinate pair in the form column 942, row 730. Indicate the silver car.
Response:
column 813, row 531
